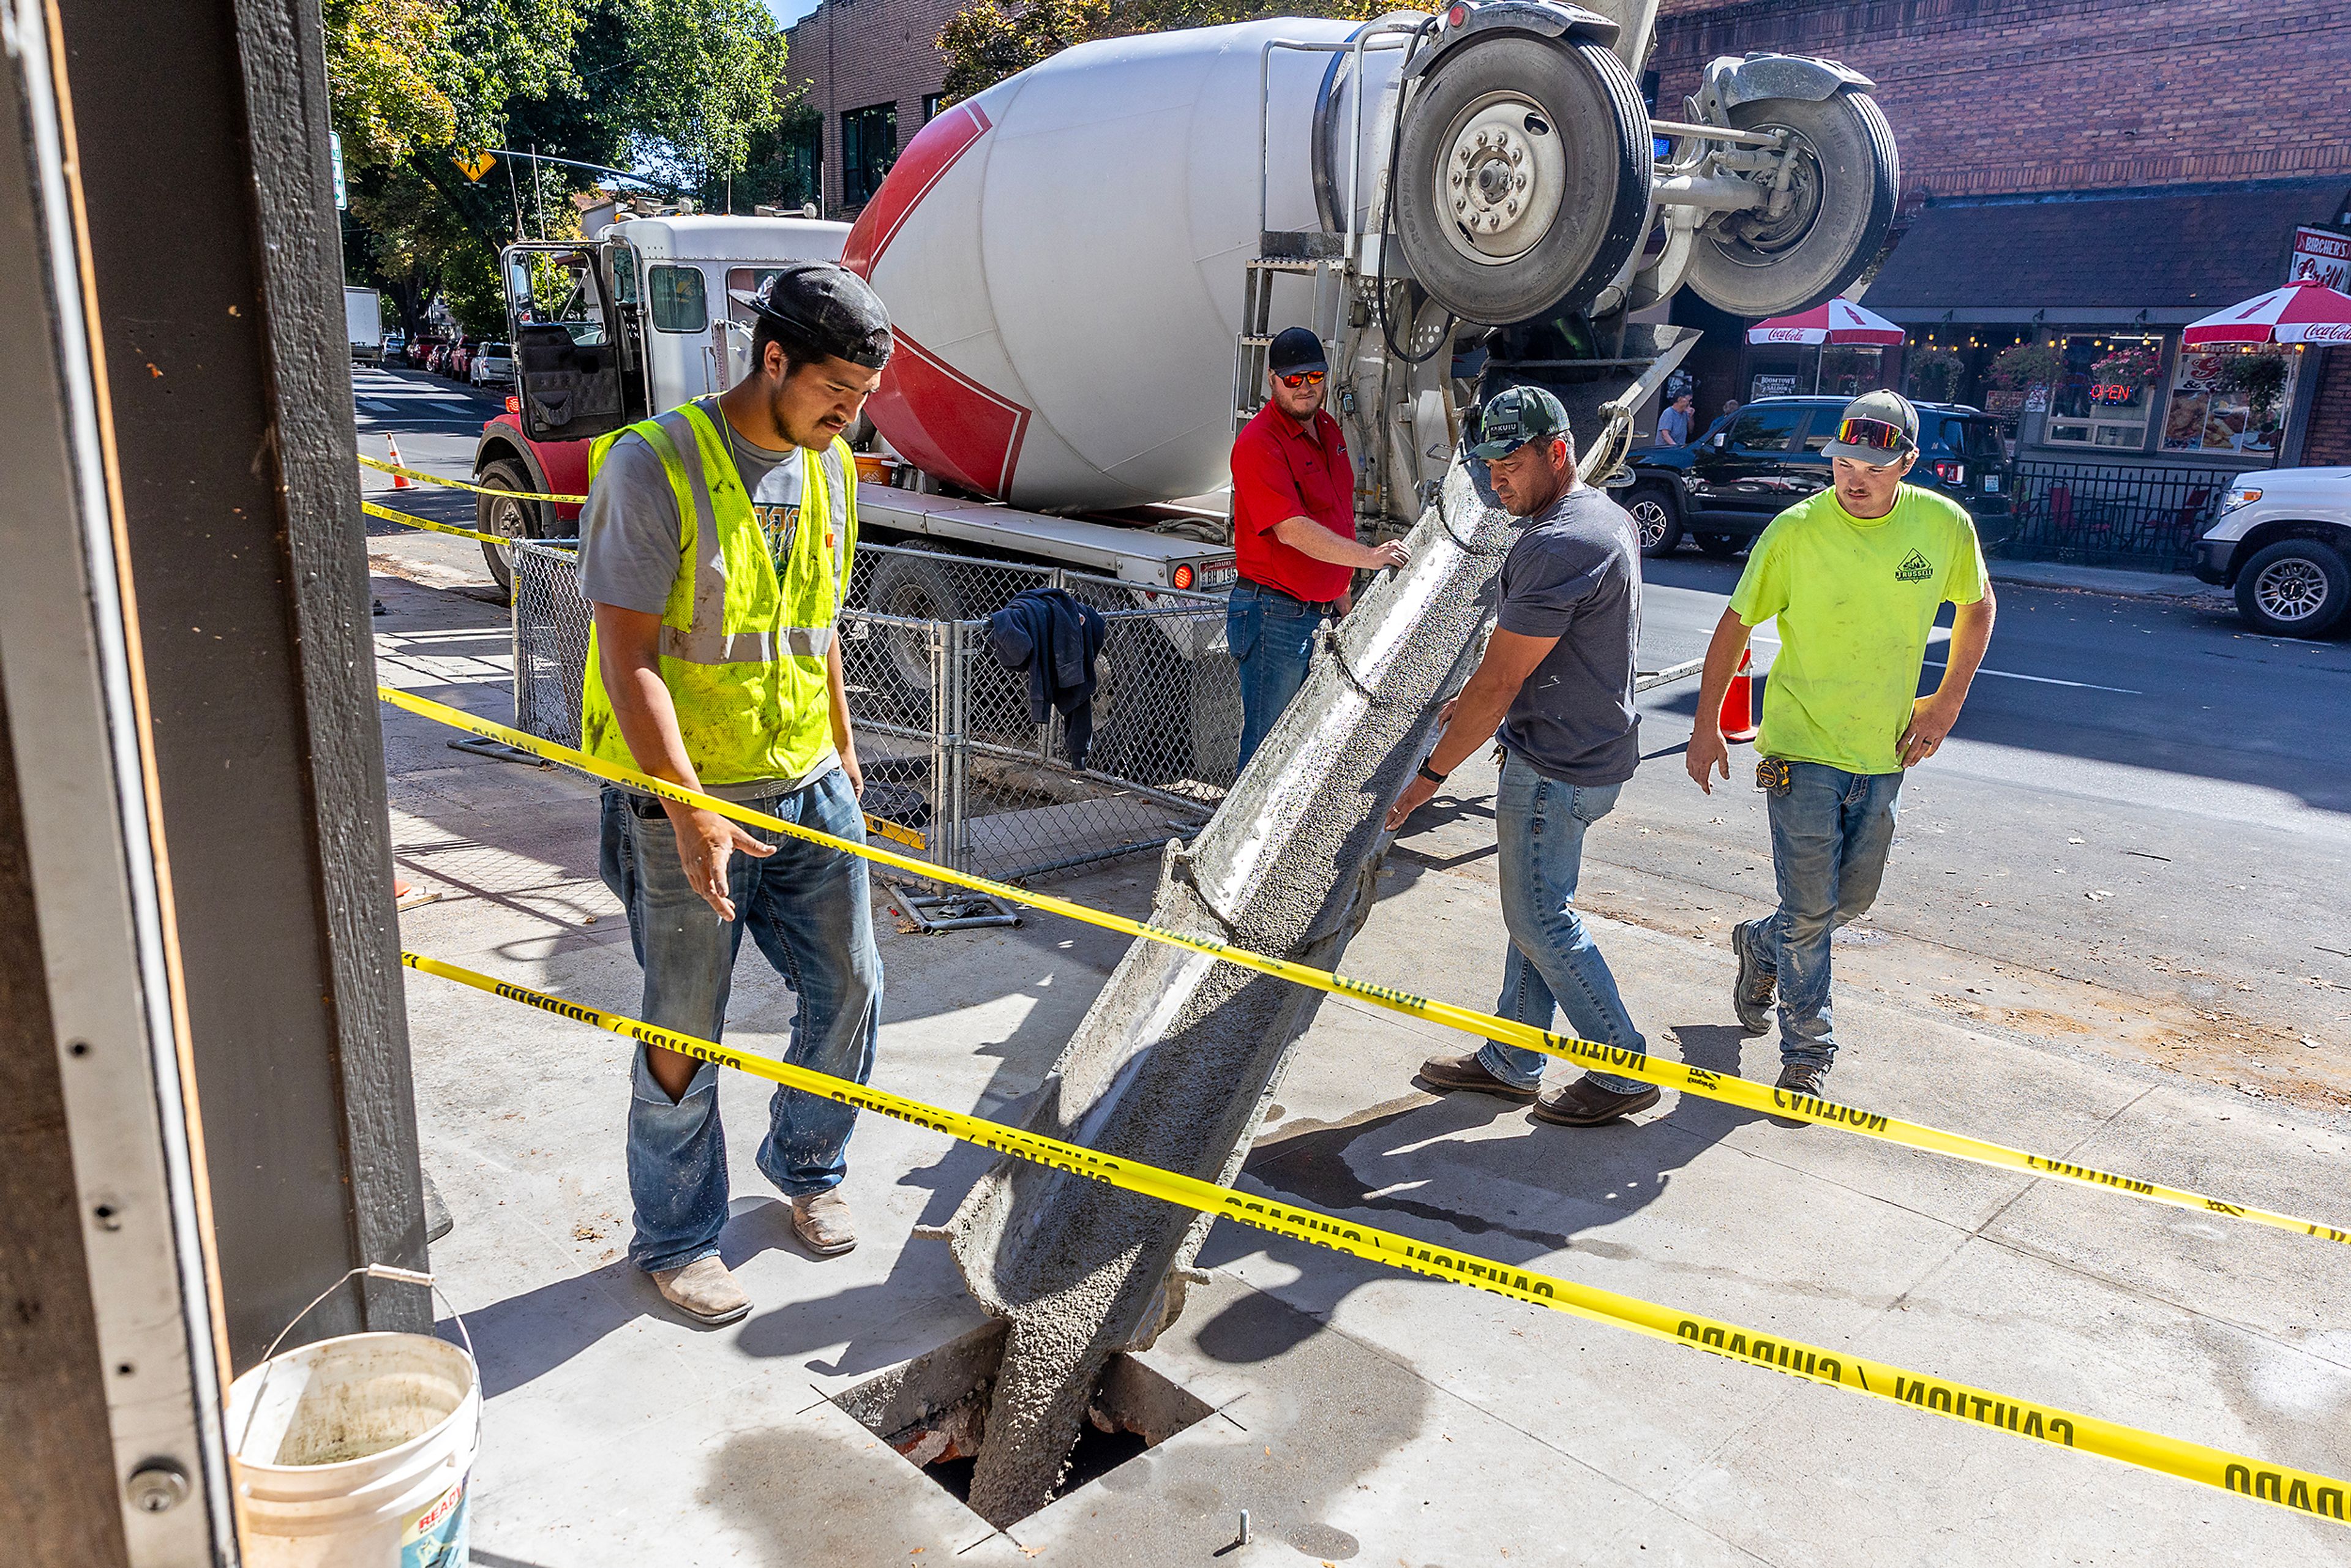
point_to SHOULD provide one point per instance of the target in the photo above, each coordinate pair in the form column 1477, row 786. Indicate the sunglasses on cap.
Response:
column 1303, row 379
column 1874, row 433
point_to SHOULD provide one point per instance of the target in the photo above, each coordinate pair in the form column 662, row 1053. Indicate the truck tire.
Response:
column 1657, row 520
column 506, row 518
column 1522, row 177
column 2294, row 588
column 1720, row 547
column 914, row 583
column 1845, row 184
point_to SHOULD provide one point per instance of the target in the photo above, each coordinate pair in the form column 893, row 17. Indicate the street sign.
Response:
column 335, row 149
column 476, row 164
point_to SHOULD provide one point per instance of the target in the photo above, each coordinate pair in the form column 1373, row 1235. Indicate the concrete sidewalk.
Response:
column 2115, row 581
column 1359, row 1415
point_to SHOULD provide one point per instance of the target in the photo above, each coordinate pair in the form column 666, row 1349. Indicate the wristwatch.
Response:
column 1431, row 774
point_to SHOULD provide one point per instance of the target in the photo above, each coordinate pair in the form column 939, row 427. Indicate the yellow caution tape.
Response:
column 1725, row 1087
column 2303, row 1491
column 423, row 478
column 404, row 520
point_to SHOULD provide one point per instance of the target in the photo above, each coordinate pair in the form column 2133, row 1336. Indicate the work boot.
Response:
column 1751, row 995
column 1584, row 1104
column 1801, row 1078
column 703, row 1290
column 1448, row 1072
column 822, row 1224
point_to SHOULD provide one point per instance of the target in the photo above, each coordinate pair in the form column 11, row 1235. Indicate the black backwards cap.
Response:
column 826, row 307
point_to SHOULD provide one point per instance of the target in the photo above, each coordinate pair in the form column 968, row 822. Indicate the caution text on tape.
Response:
column 2305, row 1491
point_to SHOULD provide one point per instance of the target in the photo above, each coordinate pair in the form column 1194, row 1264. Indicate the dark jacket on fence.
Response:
column 1056, row 639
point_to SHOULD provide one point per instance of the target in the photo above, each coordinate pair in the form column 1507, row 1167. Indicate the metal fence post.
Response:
column 959, row 689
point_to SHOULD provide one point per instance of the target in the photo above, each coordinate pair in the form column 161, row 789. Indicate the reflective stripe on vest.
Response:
column 745, row 635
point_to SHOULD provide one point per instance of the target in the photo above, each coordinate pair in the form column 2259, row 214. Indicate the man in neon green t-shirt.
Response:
column 1855, row 577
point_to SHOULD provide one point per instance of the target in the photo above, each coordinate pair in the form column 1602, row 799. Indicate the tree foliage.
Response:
column 677, row 89
column 991, row 39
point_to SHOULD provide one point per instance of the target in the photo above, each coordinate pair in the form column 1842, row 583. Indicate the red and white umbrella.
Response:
column 1838, row 321
column 2303, row 311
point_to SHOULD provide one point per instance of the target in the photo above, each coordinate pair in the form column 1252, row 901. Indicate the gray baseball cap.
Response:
column 1515, row 416
column 1885, row 426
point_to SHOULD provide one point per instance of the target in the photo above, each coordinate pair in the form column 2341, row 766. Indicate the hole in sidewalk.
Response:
column 933, row 1410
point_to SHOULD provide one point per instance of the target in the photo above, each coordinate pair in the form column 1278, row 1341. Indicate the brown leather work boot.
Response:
column 823, row 1225
column 1448, row 1072
column 703, row 1290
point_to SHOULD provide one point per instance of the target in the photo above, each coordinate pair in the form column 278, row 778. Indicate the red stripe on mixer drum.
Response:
column 922, row 165
column 947, row 424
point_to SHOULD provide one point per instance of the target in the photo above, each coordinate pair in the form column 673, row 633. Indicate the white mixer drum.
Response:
column 1064, row 256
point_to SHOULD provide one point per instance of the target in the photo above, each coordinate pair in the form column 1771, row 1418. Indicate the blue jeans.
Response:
column 1538, row 824
column 807, row 909
column 1830, row 834
column 1271, row 636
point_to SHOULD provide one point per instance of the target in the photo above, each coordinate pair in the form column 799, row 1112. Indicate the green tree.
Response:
column 990, row 41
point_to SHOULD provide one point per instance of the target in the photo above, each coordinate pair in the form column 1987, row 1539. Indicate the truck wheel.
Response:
column 506, row 518
column 1720, row 547
column 1522, row 177
column 1843, row 186
column 2294, row 588
column 911, row 583
column 1656, row 519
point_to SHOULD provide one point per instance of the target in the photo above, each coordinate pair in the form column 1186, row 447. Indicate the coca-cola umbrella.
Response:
column 1840, row 321
column 2303, row 311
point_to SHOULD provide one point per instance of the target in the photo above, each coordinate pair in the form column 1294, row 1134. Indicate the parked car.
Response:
column 493, row 366
column 435, row 356
column 395, row 348
column 2283, row 541
column 1725, row 487
column 461, row 360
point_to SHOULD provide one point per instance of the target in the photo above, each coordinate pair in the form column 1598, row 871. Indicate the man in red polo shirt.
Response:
column 1293, row 531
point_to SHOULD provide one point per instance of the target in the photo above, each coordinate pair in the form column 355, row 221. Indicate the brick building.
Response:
column 2086, row 176
column 869, row 72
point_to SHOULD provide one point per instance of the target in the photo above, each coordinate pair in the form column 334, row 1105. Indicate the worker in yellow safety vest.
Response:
column 714, row 552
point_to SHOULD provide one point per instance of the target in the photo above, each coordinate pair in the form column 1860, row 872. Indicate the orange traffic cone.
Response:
column 398, row 481
column 1738, row 718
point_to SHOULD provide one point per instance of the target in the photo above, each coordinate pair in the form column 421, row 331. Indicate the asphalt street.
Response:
column 2135, row 842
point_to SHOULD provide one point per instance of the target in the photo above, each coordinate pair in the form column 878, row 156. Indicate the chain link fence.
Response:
column 945, row 734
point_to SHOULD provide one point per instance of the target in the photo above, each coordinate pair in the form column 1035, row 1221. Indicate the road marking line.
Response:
column 2047, row 680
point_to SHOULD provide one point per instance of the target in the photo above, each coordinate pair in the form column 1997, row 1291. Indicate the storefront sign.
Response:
column 2319, row 255
column 2037, row 400
column 1775, row 386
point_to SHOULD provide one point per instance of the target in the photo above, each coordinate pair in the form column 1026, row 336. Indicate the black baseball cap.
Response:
column 1295, row 349
column 826, row 307
column 1515, row 416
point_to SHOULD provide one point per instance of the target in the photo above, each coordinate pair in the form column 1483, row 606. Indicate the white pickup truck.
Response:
column 2284, row 543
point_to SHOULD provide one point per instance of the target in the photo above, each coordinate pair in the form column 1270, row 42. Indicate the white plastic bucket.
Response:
column 355, row 1453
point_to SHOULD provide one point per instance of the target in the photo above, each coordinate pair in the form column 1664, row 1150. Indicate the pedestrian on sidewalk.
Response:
column 1855, row 576
column 1293, row 533
column 1674, row 423
column 714, row 664
column 1557, row 680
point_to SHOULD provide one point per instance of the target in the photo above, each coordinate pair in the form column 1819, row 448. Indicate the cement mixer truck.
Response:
column 1086, row 261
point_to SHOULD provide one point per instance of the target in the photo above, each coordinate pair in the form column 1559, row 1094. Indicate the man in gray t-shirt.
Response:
column 1557, row 684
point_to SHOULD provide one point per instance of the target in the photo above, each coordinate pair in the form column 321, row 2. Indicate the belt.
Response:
column 1327, row 606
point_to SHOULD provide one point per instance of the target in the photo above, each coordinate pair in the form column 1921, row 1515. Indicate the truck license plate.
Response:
column 1991, row 484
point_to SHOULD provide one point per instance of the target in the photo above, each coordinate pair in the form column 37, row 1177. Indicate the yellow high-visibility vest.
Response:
column 745, row 635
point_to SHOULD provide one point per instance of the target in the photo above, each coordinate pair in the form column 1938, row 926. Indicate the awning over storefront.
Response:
column 2162, row 256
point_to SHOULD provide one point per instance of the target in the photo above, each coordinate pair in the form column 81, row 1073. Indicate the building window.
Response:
column 2231, row 401
column 799, row 148
column 869, row 145
column 2104, row 392
column 932, row 103
column 675, row 293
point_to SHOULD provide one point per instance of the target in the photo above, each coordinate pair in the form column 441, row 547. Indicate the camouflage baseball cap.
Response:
column 1515, row 416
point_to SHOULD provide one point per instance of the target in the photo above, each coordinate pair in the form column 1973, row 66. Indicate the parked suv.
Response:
column 2283, row 542
column 492, row 365
column 395, row 348
column 1750, row 465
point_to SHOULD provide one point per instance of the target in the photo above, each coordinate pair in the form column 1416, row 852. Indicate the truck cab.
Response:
column 642, row 317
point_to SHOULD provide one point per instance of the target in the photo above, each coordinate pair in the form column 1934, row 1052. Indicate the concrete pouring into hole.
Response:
column 933, row 1410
